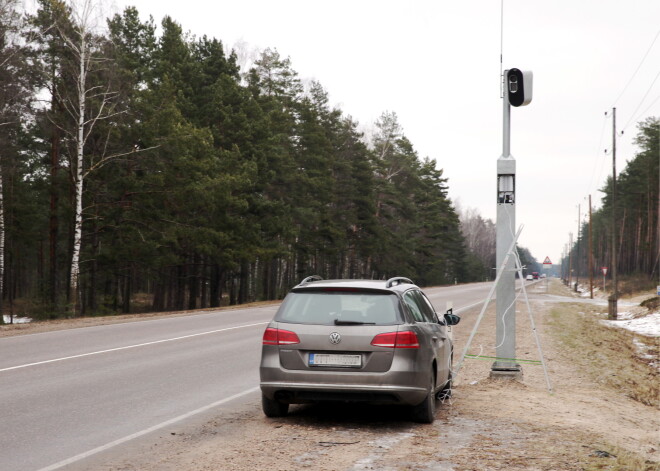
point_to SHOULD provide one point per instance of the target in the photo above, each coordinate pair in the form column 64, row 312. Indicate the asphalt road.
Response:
column 68, row 395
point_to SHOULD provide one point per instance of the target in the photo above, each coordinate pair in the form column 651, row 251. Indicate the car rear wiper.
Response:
column 341, row 322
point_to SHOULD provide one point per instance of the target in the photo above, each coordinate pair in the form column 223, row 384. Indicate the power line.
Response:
column 637, row 70
column 598, row 155
column 647, row 108
column 642, row 101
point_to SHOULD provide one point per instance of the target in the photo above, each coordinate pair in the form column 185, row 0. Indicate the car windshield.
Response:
column 339, row 308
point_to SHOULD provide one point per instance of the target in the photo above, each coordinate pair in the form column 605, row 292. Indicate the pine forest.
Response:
column 144, row 171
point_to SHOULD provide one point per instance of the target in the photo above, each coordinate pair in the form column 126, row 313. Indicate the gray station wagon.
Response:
column 369, row 341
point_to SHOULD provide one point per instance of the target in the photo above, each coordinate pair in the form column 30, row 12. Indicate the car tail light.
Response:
column 405, row 339
column 279, row 337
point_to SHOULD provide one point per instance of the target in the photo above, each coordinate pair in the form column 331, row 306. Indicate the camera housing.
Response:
column 518, row 86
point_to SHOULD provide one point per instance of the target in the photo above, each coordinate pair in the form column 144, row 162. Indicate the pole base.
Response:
column 612, row 313
column 499, row 371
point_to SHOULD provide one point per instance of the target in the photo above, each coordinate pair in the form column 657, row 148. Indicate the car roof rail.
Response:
column 309, row 279
column 398, row 280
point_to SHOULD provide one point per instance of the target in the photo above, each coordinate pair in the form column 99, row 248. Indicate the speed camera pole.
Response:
column 517, row 92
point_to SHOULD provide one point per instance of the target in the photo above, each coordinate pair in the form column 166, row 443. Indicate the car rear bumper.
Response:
column 298, row 387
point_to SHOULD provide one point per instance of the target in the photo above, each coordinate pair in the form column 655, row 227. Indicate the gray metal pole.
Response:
column 505, row 333
column 496, row 283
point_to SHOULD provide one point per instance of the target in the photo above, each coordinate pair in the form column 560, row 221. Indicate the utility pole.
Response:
column 591, row 258
column 570, row 260
column 613, row 299
column 577, row 261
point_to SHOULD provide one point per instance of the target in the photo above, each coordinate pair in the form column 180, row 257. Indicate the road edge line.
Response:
column 127, row 347
column 141, row 433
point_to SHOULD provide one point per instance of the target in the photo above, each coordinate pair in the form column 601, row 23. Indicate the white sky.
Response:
column 437, row 64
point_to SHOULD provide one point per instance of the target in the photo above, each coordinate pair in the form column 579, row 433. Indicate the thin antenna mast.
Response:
column 502, row 49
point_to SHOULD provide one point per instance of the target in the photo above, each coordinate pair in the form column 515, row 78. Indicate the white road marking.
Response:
column 157, row 319
column 127, row 438
column 129, row 347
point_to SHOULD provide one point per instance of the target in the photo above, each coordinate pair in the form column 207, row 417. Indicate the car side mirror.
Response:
column 451, row 318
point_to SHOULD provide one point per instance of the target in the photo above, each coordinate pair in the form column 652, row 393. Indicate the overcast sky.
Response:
column 437, row 65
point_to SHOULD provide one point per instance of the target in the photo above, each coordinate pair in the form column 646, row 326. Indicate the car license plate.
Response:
column 333, row 359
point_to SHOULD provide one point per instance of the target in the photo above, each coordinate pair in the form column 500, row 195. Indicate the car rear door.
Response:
column 436, row 339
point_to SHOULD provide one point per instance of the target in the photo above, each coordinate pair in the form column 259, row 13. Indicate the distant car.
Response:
column 357, row 341
column 543, row 275
column 529, row 278
column 535, row 275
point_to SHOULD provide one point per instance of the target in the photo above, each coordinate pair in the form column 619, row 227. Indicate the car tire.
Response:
column 273, row 408
column 424, row 412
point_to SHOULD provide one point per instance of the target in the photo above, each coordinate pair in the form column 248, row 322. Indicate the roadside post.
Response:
column 547, row 265
column 604, row 271
column 517, row 91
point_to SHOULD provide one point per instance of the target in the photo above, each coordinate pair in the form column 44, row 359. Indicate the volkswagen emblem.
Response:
column 335, row 338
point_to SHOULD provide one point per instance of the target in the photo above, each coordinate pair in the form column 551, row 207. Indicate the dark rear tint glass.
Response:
column 348, row 307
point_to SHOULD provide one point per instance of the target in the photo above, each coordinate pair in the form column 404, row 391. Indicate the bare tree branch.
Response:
column 106, row 160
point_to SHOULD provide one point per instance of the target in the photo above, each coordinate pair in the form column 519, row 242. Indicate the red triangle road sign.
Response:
column 547, row 261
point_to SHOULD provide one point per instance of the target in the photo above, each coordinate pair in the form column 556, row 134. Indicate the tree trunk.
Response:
column 215, row 288
column 78, row 178
column 93, row 270
column 158, row 303
column 243, row 283
column 180, row 287
column 128, row 289
column 204, row 291
column 2, row 246
column 193, row 283
column 232, row 290
column 53, row 220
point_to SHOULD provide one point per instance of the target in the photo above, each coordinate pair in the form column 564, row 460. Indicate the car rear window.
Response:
column 325, row 308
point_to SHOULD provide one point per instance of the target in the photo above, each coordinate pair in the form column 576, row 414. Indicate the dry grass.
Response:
column 621, row 460
column 609, row 354
column 612, row 359
column 632, row 284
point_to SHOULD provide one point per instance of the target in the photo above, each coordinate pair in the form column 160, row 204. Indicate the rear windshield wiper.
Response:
column 340, row 322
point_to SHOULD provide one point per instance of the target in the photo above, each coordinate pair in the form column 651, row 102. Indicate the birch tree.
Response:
column 92, row 100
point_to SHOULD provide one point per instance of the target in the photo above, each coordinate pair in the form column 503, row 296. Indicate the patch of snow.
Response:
column 648, row 325
column 17, row 320
column 642, row 348
column 643, row 351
